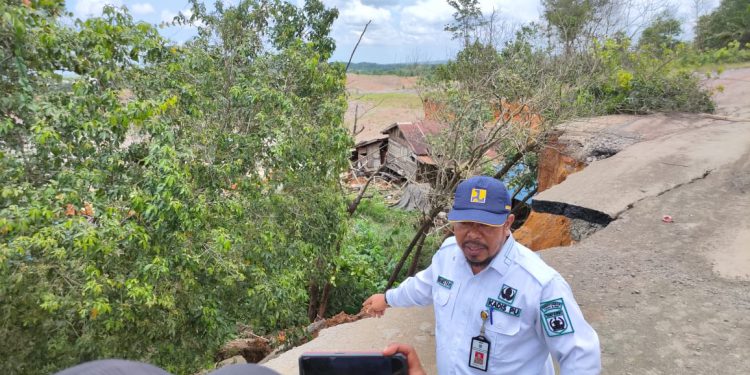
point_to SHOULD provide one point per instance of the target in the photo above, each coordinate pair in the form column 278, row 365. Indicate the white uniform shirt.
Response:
column 534, row 313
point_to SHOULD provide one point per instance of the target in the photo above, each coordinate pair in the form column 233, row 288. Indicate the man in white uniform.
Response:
column 499, row 309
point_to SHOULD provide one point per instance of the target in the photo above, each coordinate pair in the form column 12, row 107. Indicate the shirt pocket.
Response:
column 441, row 297
column 503, row 333
column 444, row 300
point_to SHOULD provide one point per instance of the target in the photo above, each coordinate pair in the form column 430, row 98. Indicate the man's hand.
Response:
column 375, row 305
column 412, row 360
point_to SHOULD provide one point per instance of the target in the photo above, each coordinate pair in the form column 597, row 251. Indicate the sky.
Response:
column 401, row 30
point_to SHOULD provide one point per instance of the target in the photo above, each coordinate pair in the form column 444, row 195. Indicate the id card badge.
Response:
column 479, row 354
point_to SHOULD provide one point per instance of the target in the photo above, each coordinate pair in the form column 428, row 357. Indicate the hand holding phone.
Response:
column 343, row 363
column 412, row 359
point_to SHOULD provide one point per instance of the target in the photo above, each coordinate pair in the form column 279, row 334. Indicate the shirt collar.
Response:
column 505, row 257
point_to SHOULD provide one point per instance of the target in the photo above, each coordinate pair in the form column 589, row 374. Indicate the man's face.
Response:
column 480, row 242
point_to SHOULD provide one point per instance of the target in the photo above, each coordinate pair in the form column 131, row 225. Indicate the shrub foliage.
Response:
column 155, row 195
column 729, row 22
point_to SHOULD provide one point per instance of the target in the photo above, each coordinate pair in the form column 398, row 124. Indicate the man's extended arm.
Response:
column 414, row 291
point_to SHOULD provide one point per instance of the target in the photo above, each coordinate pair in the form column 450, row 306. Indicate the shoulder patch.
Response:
column 555, row 318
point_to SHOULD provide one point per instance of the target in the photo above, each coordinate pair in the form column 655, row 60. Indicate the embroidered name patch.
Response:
column 445, row 283
column 500, row 306
column 507, row 294
column 555, row 318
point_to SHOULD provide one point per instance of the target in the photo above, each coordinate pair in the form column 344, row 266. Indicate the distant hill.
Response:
column 402, row 69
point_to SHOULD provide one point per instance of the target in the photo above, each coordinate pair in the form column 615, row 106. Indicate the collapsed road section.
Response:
column 610, row 163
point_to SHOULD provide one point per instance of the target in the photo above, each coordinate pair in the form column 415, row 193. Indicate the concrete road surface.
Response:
column 415, row 326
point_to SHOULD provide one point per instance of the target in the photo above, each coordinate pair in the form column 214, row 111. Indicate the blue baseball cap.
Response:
column 481, row 199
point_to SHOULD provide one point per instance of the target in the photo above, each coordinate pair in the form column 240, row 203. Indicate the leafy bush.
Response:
column 154, row 196
column 661, row 33
column 375, row 242
column 729, row 22
column 732, row 53
column 631, row 81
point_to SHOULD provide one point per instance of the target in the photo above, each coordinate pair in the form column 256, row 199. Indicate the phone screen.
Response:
column 351, row 364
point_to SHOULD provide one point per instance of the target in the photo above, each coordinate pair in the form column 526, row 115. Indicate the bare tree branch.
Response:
column 355, row 203
column 357, row 45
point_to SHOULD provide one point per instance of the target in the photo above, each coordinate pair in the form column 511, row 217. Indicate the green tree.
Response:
column 569, row 18
column 662, row 32
column 729, row 22
column 471, row 64
column 277, row 119
column 156, row 195
column 84, row 267
column 466, row 19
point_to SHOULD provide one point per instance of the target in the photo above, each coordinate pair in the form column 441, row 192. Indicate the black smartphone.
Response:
column 352, row 363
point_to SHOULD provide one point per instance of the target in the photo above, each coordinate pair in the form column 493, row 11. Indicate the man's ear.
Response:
column 509, row 221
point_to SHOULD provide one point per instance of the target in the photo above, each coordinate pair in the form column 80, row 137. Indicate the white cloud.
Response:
column 356, row 13
column 383, row 36
column 424, row 22
column 168, row 17
column 92, row 8
column 143, row 9
column 427, row 12
column 523, row 11
column 353, row 15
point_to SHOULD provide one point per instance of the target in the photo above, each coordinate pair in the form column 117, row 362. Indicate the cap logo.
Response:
column 478, row 195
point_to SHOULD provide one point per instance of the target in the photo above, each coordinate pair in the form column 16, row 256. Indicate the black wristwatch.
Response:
column 385, row 298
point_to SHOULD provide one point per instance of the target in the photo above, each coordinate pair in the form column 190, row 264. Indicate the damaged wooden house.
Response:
column 370, row 154
column 403, row 148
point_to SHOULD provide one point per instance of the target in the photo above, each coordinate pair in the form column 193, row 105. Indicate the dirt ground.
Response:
column 653, row 290
column 379, row 101
column 673, row 298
